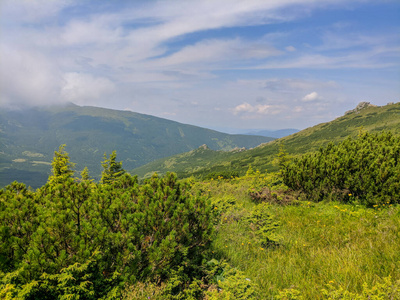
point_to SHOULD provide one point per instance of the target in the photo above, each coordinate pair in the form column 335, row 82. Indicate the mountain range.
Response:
column 147, row 144
column 30, row 136
column 202, row 161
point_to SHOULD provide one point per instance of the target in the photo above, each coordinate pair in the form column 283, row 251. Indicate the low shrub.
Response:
column 365, row 169
column 229, row 284
column 263, row 225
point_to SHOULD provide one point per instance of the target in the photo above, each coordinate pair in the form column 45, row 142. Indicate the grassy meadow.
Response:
column 321, row 246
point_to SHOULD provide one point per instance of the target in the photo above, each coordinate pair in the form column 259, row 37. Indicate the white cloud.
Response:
column 28, row 78
column 84, row 88
column 182, row 17
column 244, row 107
column 298, row 109
column 207, row 52
column 257, row 110
column 97, row 31
column 374, row 51
column 287, row 85
column 290, row 48
column 32, row 10
column 311, row 97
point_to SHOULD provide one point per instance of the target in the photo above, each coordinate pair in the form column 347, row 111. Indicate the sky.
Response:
column 229, row 65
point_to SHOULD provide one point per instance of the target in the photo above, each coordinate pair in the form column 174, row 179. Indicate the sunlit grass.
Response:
column 322, row 243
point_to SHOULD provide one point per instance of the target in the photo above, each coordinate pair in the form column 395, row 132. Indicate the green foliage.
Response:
column 223, row 205
column 381, row 290
column 112, row 169
column 18, row 222
column 250, row 171
column 222, row 175
column 74, row 238
column 85, row 175
column 366, row 169
column 270, row 188
column 144, row 291
column 77, row 281
column 290, row 294
column 283, row 157
column 263, row 225
column 230, row 283
column 61, row 167
column 179, row 287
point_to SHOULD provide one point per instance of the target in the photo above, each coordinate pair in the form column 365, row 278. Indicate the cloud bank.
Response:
column 239, row 61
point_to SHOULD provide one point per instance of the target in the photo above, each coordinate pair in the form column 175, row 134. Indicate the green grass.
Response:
column 322, row 244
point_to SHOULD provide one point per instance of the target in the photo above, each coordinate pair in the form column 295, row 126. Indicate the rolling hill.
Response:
column 204, row 160
column 29, row 138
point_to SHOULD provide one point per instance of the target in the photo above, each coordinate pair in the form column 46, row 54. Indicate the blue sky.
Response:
column 222, row 64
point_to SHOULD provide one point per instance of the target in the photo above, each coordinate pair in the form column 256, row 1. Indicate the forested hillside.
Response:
column 203, row 161
column 29, row 138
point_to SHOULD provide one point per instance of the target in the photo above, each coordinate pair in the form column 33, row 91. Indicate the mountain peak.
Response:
column 204, row 147
column 360, row 106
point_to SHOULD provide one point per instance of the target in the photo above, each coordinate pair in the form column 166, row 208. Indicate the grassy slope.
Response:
column 200, row 162
column 323, row 245
column 29, row 139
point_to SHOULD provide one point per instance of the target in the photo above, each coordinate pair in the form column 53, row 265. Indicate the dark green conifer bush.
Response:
column 75, row 238
column 366, row 169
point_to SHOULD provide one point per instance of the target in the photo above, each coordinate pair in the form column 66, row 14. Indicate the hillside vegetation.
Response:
column 30, row 137
column 256, row 236
column 203, row 161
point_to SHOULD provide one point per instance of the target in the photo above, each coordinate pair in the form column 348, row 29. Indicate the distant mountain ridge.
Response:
column 274, row 133
column 29, row 138
column 202, row 161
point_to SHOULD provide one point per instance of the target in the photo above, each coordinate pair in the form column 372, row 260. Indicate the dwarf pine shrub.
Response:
column 76, row 237
column 263, row 225
column 365, row 169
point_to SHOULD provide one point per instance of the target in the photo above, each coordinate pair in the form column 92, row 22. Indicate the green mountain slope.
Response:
column 30, row 137
column 203, row 160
